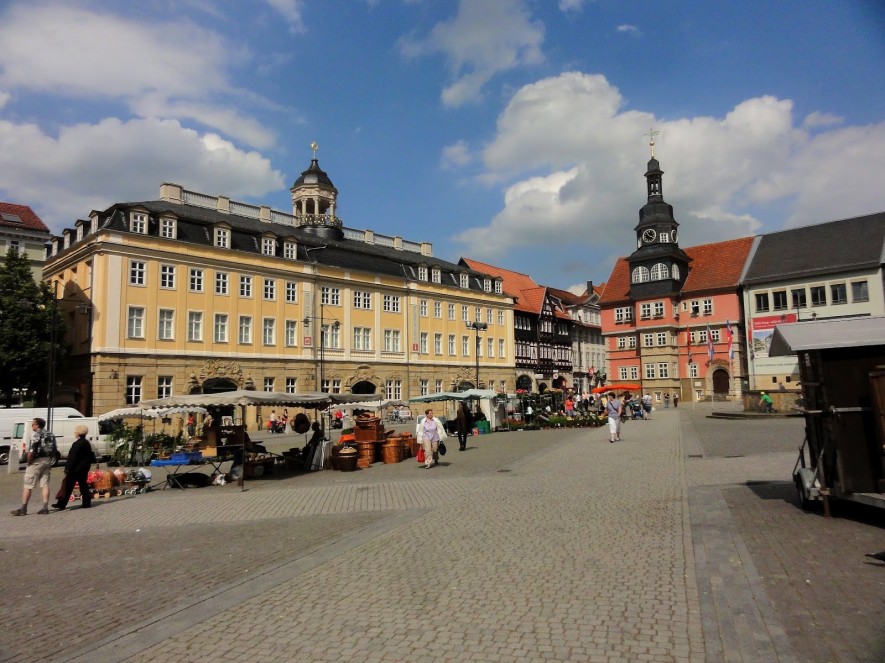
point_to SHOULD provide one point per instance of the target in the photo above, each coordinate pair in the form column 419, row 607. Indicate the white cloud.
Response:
column 456, row 155
column 575, row 158
column 485, row 38
column 91, row 166
column 629, row 30
column 818, row 119
column 291, row 11
column 571, row 5
column 162, row 69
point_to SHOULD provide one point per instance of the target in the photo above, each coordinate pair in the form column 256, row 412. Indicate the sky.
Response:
column 513, row 132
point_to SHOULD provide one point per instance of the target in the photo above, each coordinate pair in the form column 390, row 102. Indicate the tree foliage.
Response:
column 26, row 311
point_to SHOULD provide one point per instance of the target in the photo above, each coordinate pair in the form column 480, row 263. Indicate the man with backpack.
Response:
column 41, row 457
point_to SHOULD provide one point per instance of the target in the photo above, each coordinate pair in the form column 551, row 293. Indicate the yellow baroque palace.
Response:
column 194, row 293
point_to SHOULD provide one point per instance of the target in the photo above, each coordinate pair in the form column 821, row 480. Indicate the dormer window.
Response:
column 168, row 227
column 499, row 287
column 268, row 246
column 640, row 275
column 422, row 273
column 79, row 232
column 465, row 281
column 487, row 285
column 435, row 275
column 660, row 272
column 289, row 250
column 138, row 223
column 222, row 238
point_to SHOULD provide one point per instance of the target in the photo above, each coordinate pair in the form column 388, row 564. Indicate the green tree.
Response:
column 26, row 312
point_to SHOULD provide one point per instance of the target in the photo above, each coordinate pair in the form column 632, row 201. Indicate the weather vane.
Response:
column 651, row 140
column 314, row 147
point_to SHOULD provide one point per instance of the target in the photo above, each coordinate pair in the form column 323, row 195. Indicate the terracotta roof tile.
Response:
column 513, row 284
column 713, row 266
column 29, row 220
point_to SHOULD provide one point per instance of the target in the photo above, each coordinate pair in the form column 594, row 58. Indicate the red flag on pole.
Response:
column 710, row 343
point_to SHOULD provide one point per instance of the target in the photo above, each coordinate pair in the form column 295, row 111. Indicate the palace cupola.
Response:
column 314, row 199
column 658, row 266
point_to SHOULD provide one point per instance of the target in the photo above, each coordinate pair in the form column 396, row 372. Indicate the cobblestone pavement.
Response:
column 682, row 543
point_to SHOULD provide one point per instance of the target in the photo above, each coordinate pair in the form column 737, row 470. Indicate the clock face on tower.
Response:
column 673, row 236
column 648, row 235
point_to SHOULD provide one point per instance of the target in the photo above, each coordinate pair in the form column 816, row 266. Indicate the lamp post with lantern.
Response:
column 477, row 327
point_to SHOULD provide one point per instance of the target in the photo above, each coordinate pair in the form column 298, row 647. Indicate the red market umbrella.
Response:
column 616, row 387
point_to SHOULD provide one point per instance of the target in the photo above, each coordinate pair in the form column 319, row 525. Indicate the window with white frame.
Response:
column 164, row 386
column 222, row 286
column 501, row 348
column 634, row 372
column 438, row 387
column 135, row 322
column 624, row 314
column 622, row 373
column 291, row 292
column 246, row 286
column 422, row 308
column 491, row 349
column 465, row 313
column 465, row 346
column 649, row 371
column 362, row 338
column 196, row 279
column 138, row 223
column 291, row 385
column 332, row 336
column 487, row 285
column 330, row 296
column 393, row 389
column 195, row 326
column 133, row 389
column 137, row 271
column 336, row 387
column 220, row 327
column 268, row 384
column 639, row 275
column 659, row 309
column 244, row 330
column 714, row 335
column 437, row 310
column 451, row 345
column 424, row 386
column 631, row 342
column 422, row 273
column 268, row 333
column 622, row 342
column 478, row 314
column 437, row 344
column 391, row 340
column 663, row 370
column 708, row 306
column 391, row 303
column 166, row 324
column 167, row 276
column 648, row 340
column 289, row 250
column 464, row 280
column 451, row 311
column 645, row 311
column 436, row 275
column 661, row 338
column 659, row 272
column 499, row 287
column 423, row 343
column 167, row 227
column 362, row 299
column 500, row 317
column 270, row 289
column 268, row 246
column 291, row 333
column 692, row 370
column 222, row 238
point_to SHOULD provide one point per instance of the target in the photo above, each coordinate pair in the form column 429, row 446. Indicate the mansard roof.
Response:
column 836, row 246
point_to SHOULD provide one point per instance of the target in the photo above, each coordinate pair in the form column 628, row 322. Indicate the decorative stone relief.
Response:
column 217, row 368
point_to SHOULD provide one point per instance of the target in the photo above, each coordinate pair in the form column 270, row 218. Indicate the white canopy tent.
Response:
column 149, row 413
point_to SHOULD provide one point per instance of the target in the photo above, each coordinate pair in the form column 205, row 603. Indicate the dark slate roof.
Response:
column 195, row 225
column 836, row 246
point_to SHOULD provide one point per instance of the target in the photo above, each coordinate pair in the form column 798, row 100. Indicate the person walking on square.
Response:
column 429, row 433
column 191, row 425
column 41, row 457
column 465, row 423
column 80, row 459
column 646, row 407
column 613, row 409
column 675, row 400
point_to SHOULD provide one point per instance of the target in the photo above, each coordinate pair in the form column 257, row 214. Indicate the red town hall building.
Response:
column 671, row 318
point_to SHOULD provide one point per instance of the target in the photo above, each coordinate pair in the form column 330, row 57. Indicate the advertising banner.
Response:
column 763, row 328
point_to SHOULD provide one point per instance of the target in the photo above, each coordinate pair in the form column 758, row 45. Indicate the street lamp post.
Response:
column 477, row 327
column 321, row 363
column 53, row 339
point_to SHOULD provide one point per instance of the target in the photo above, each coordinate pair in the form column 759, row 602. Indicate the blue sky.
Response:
column 508, row 131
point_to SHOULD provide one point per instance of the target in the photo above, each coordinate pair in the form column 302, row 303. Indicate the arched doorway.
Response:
column 218, row 385
column 524, row 382
column 363, row 387
column 720, row 381
column 464, row 386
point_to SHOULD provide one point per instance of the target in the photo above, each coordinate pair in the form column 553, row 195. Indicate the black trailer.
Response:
column 842, row 371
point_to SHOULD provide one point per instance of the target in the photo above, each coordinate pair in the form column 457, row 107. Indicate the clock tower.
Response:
column 658, row 267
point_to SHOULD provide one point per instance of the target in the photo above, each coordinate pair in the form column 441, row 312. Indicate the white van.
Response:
column 63, row 429
column 13, row 415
